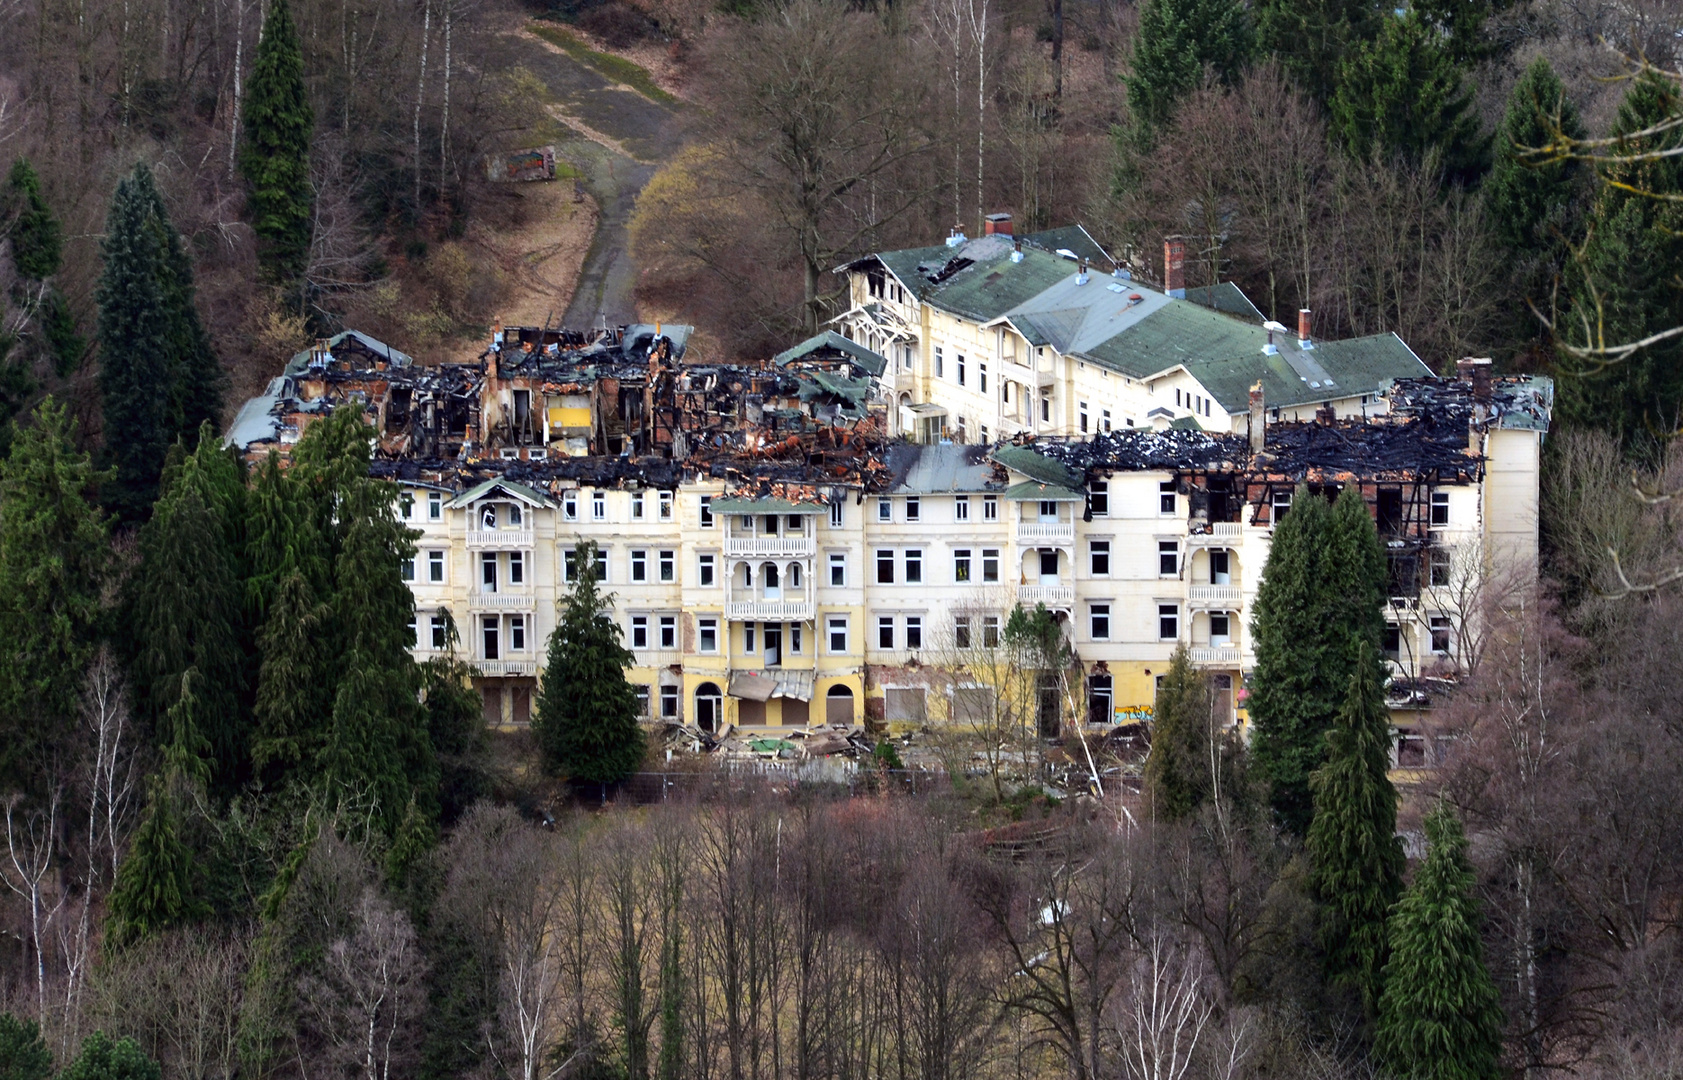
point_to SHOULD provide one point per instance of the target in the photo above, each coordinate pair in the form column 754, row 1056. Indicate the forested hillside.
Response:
column 247, row 834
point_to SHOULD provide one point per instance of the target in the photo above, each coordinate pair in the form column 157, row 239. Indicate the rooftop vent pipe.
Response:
column 1081, row 278
column 1273, row 328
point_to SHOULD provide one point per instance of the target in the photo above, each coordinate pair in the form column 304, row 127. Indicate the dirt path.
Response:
column 624, row 135
column 540, row 259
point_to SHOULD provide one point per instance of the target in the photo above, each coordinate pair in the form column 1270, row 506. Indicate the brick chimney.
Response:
column 1174, row 267
column 1476, row 371
column 1258, row 419
column 997, row 223
column 1303, row 340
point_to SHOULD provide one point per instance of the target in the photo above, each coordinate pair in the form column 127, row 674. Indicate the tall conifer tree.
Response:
column 587, row 713
column 1533, row 199
column 187, row 607
column 1176, row 42
column 277, row 124
column 135, row 338
column 28, row 222
column 1623, row 286
column 1356, row 859
column 1438, row 1016
column 1312, row 37
column 1296, row 687
column 294, row 684
column 1403, row 94
column 53, row 562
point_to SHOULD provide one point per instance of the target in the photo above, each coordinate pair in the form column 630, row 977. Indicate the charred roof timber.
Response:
column 623, row 407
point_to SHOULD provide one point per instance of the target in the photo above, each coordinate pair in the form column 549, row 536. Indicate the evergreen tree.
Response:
column 282, row 537
column 23, row 1055
column 102, row 1059
column 1623, row 284
column 137, row 363
column 1178, row 774
column 1296, row 686
column 196, row 378
column 1438, row 1016
column 1532, row 199
column 294, row 684
column 586, row 723
column 1356, row 859
column 455, row 723
column 277, row 123
column 36, row 236
column 1312, row 37
column 1403, row 94
column 1322, row 597
column 186, row 606
column 1176, row 41
column 53, row 561
column 157, row 881
column 377, row 746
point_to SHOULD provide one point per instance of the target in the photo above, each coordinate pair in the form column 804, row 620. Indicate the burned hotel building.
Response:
column 777, row 555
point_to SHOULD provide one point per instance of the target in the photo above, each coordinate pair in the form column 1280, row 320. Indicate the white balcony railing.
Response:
column 1050, row 595
column 499, row 538
column 492, row 668
column 774, row 547
column 1033, row 533
column 1212, row 595
column 1026, row 376
column 769, row 610
column 1220, row 534
column 502, row 601
column 1217, row 654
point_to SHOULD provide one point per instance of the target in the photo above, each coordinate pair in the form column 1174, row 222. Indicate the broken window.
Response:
column 1098, row 498
column 669, row 702
column 488, row 572
column 1388, row 510
column 1220, row 563
column 1281, row 504
column 488, row 627
column 570, row 505
column 1166, row 497
column 1390, row 643
column 706, row 508
column 406, row 505
column 641, row 692
column 637, row 506
column 1099, row 708
column 1440, row 508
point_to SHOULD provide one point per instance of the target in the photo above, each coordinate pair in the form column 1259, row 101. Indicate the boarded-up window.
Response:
column 906, row 704
column 750, row 712
column 796, row 712
column 838, row 705
column 973, row 704
column 522, row 704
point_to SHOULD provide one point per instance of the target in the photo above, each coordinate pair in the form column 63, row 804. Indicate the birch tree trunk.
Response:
column 420, row 97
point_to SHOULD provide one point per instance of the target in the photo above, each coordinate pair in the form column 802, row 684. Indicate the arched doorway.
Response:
column 709, row 707
column 838, row 705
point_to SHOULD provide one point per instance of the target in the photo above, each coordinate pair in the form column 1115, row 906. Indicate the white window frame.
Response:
column 706, row 571
column 838, row 567
column 667, row 565
column 668, row 627
column 1097, row 550
column 435, row 567
column 961, row 508
column 1098, row 620
column 1169, row 614
column 639, row 632
column 639, row 565
column 836, row 625
column 707, row 635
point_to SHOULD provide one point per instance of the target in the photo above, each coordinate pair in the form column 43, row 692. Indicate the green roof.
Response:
column 871, row 361
column 1029, row 491
column 1070, row 238
column 1036, row 466
column 1186, row 423
column 1227, row 298
column 990, row 287
column 765, row 506
column 1225, row 356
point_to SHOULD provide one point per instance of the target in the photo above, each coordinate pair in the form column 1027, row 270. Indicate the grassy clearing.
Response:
column 617, row 68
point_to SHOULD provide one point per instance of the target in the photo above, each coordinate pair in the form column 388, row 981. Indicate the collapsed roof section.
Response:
column 555, row 408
